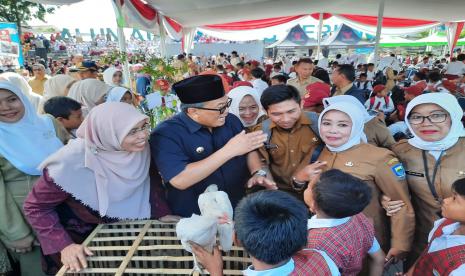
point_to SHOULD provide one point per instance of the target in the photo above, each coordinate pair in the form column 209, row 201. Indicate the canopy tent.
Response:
column 183, row 17
column 390, row 41
column 345, row 36
column 296, row 37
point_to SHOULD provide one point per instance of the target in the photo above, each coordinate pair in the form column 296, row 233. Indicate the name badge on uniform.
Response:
column 199, row 150
column 349, row 164
column 414, row 173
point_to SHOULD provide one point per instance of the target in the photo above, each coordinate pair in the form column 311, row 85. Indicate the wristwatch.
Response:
column 298, row 185
column 260, row 172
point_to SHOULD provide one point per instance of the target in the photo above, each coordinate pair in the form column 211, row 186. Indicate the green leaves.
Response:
column 21, row 11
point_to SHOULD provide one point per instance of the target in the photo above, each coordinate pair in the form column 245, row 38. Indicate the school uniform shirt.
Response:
column 260, row 85
column 455, row 68
column 364, row 85
column 179, row 141
column 423, row 65
column 371, row 75
column 447, row 239
column 333, row 236
column 436, row 87
column 305, row 262
column 302, row 85
column 427, row 209
column 380, row 104
column 290, row 150
column 384, row 174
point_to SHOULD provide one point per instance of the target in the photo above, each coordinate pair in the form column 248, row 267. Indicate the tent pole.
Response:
column 320, row 27
column 122, row 47
column 378, row 31
column 162, row 39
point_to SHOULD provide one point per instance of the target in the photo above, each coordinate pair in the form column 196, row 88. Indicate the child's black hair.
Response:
column 281, row 78
column 459, row 186
column 340, row 195
column 61, row 106
column 271, row 225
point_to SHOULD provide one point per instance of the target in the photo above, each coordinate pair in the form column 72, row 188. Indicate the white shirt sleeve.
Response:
column 375, row 247
column 390, row 106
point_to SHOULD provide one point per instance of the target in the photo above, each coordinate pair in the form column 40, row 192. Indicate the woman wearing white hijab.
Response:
column 89, row 92
column 113, row 76
column 26, row 139
column 341, row 128
column 376, row 131
column 120, row 94
column 434, row 158
column 99, row 177
column 24, row 86
column 246, row 105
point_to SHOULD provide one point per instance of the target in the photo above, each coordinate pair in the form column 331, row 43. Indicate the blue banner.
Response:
column 11, row 51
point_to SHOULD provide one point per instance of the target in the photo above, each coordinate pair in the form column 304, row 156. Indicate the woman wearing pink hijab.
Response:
column 100, row 177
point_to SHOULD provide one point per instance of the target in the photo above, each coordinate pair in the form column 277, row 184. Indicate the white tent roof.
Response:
column 393, row 40
column 201, row 12
column 433, row 38
column 195, row 13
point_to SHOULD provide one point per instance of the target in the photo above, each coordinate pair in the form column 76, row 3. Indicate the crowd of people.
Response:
column 333, row 168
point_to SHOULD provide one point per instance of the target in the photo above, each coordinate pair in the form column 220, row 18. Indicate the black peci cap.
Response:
column 198, row 89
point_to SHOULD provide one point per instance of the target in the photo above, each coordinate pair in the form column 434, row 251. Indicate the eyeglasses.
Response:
column 134, row 131
column 433, row 118
column 220, row 110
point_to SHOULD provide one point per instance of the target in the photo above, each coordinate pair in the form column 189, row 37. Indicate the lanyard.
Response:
column 431, row 181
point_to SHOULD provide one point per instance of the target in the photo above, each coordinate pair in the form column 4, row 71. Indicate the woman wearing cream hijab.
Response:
column 89, row 92
column 53, row 87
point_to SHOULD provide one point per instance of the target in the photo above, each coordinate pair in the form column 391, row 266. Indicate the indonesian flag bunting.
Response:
column 391, row 26
column 453, row 33
column 140, row 15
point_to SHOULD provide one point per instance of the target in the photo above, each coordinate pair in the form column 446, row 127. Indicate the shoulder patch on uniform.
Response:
column 398, row 170
column 393, row 161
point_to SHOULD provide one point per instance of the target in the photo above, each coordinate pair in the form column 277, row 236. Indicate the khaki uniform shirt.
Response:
column 383, row 172
column 378, row 134
column 294, row 150
column 427, row 209
column 38, row 85
column 343, row 90
column 301, row 86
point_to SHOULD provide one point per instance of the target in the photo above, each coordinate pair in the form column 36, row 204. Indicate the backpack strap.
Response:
column 372, row 102
column 267, row 130
column 313, row 117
